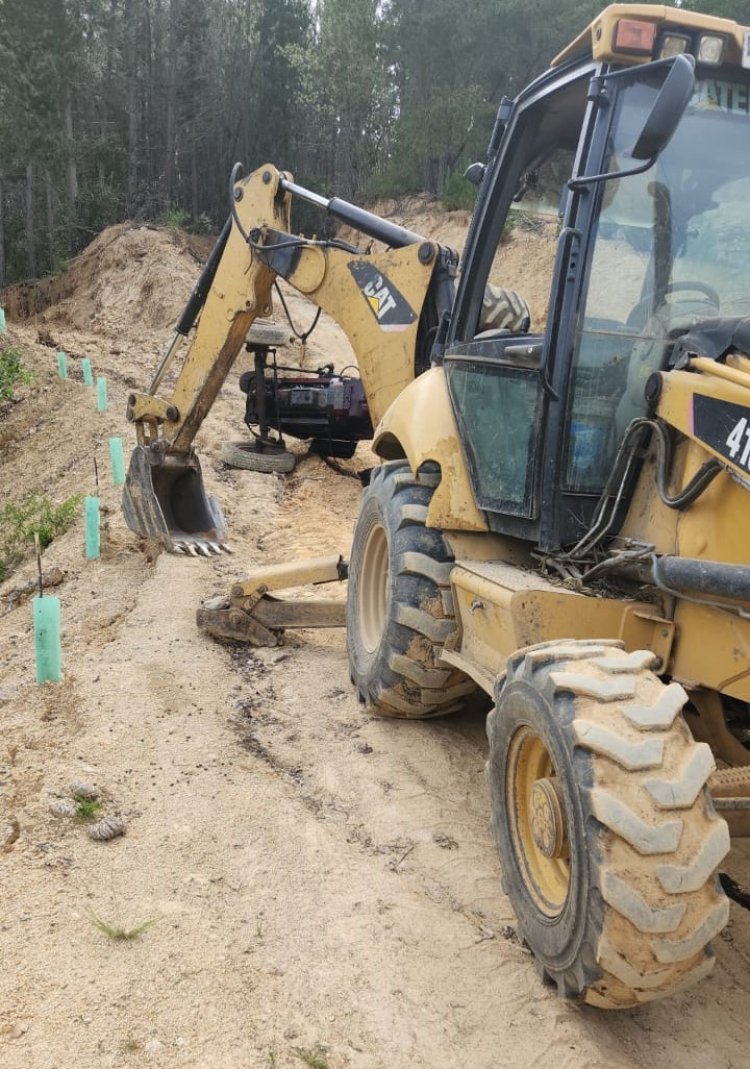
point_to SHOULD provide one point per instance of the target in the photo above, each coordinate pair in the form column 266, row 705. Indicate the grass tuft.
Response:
column 119, row 934
column 12, row 373
column 86, row 808
column 313, row 1058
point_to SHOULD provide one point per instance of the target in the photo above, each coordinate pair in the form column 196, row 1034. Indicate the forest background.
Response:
column 137, row 109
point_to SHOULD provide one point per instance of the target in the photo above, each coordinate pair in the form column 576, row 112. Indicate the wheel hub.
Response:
column 547, row 819
column 375, row 575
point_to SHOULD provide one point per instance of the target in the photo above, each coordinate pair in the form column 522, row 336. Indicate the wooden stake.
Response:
column 39, row 563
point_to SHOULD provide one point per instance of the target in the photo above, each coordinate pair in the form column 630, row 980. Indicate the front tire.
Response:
column 608, row 839
column 399, row 608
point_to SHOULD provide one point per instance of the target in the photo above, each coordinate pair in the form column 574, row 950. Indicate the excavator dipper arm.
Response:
column 387, row 302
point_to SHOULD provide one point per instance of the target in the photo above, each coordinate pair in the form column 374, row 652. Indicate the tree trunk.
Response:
column 194, row 179
column 132, row 107
column 70, row 150
column 2, row 234
column 50, row 219
column 171, row 102
column 30, row 252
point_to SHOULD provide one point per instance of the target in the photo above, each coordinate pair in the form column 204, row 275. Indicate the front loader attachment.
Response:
column 164, row 498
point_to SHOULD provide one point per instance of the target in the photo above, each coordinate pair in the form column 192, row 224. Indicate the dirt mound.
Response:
column 523, row 262
column 127, row 275
column 131, row 283
column 426, row 215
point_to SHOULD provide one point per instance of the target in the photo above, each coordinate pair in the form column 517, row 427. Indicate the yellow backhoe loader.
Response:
column 560, row 519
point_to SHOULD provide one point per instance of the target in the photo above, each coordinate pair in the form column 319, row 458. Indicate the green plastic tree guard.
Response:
column 92, row 540
column 101, row 394
column 47, row 643
column 62, row 365
column 88, row 377
column 3, row 326
column 117, row 457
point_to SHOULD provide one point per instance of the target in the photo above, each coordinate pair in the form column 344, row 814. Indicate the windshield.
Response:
column 672, row 248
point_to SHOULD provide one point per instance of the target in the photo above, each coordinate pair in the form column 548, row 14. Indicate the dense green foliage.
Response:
column 138, row 108
column 33, row 515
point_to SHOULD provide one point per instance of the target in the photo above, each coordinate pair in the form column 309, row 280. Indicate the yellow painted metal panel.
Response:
column 598, row 38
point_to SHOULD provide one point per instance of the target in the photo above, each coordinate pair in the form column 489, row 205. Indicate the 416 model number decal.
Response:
column 725, row 427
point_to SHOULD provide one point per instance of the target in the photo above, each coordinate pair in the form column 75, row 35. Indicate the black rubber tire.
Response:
column 644, row 841
column 244, row 455
column 395, row 665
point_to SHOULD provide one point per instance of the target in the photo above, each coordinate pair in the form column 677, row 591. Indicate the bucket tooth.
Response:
column 164, row 498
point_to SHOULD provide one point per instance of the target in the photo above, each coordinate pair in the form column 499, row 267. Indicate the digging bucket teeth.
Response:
column 164, row 498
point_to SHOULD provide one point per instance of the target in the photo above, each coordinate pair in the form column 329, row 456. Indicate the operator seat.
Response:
column 650, row 353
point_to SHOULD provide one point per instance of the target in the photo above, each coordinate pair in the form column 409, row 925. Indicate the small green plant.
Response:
column 175, row 218
column 203, row 224
column 60, row 265
column 458, row 193
column 12, row 373
column 313, row 1058
column 120, row 934
column 33, row 515
column 86, row 808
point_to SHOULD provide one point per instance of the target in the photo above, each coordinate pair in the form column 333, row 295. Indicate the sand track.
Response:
column 319, row 880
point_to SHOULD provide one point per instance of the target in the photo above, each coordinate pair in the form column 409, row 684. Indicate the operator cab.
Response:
column 639, row 252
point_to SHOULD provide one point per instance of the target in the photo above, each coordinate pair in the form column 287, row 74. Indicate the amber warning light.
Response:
column 635, row 36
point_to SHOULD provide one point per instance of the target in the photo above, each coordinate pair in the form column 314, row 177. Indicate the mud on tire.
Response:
column 399, row 606
column 643, row 840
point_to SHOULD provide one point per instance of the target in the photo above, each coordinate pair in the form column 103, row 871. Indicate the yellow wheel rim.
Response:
column 373, row 598
column 538, row 823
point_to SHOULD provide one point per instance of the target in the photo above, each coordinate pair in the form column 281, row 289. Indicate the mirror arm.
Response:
column 594, row 179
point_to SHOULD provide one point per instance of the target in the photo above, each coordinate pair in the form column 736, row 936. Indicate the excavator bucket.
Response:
column 164, row 498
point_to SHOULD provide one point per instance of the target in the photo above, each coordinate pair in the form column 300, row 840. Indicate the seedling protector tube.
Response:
column 117, row 457
column 62, row 365
column 91, row 528
column 88, row 377
column 101, row 394
column 47, row 639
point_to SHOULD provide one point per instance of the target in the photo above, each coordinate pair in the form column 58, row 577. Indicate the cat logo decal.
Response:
column 385, row 302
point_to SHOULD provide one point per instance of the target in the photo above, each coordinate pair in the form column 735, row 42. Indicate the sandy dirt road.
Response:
column 323, row 884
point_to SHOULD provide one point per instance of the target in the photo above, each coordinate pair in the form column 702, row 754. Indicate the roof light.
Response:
column 636, row 36
column 711, row 48
column 673, row 44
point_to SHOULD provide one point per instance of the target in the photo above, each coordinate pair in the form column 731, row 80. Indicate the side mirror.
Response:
column 662, row 121
column 474, row 173
column 668, row 109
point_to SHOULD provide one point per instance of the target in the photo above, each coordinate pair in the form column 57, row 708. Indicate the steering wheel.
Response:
column 643, row 306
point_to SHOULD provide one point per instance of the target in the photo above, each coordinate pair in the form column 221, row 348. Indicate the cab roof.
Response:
column 598, row 39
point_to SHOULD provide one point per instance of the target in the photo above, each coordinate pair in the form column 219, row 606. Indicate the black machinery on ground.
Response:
column 327, row 407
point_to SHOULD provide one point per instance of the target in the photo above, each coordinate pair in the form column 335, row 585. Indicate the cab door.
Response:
column 498, row 378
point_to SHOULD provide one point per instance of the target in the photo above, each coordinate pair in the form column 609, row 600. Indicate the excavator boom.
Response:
column 388, row 302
